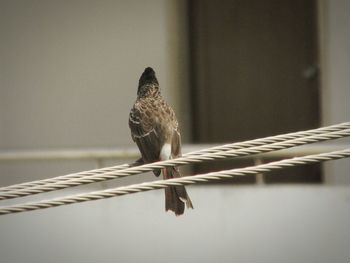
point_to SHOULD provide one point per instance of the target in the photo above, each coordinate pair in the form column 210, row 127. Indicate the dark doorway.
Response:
column 255, row 72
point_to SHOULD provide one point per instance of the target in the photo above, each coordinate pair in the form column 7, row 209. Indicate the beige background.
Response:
column 70, row 70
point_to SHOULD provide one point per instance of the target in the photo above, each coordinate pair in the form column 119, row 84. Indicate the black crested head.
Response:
column 147, row 81
column 148, row 77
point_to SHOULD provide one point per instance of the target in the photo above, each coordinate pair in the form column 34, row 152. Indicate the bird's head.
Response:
column 148, row 83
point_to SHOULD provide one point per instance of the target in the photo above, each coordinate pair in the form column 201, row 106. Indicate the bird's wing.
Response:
column 176, row 143
column 145, row 132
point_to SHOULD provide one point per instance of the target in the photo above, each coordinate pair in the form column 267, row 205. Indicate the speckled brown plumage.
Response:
column 153, row 125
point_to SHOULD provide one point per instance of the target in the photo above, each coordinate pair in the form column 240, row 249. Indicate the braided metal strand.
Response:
column 178, row 181
column 179, row 161
column 64, row 178
column 239, row 145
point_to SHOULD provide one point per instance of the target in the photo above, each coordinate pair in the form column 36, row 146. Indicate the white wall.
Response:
column 335, row 66
column 70, row 70
column 229, row 224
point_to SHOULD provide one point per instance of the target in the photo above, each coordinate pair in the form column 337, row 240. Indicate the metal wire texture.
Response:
column 196, row 158
column 226, row 147
column 178, row 181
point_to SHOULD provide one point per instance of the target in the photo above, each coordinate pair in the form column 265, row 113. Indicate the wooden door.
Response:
column 254, row 72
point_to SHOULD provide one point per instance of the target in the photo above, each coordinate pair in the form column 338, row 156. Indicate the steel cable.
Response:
column 178, row 181
column 196, row 158
column 226, row 147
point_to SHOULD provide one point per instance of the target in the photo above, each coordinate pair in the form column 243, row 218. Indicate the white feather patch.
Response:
column 165, row 153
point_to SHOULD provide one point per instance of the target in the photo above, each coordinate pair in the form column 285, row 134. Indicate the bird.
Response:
column 155, row 130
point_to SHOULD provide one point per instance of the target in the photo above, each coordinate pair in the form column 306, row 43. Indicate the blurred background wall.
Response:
column 70, row 72
column 68, row 78
column 335, row 55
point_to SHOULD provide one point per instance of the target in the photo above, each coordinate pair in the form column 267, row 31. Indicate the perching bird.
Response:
column 155, row 130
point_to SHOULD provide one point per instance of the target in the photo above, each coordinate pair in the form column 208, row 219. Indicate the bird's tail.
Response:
column 175, row 196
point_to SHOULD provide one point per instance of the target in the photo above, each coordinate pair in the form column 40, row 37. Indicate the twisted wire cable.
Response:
column 63, row 178
column 159, row 184
column 174, row 162
column 226, row 147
